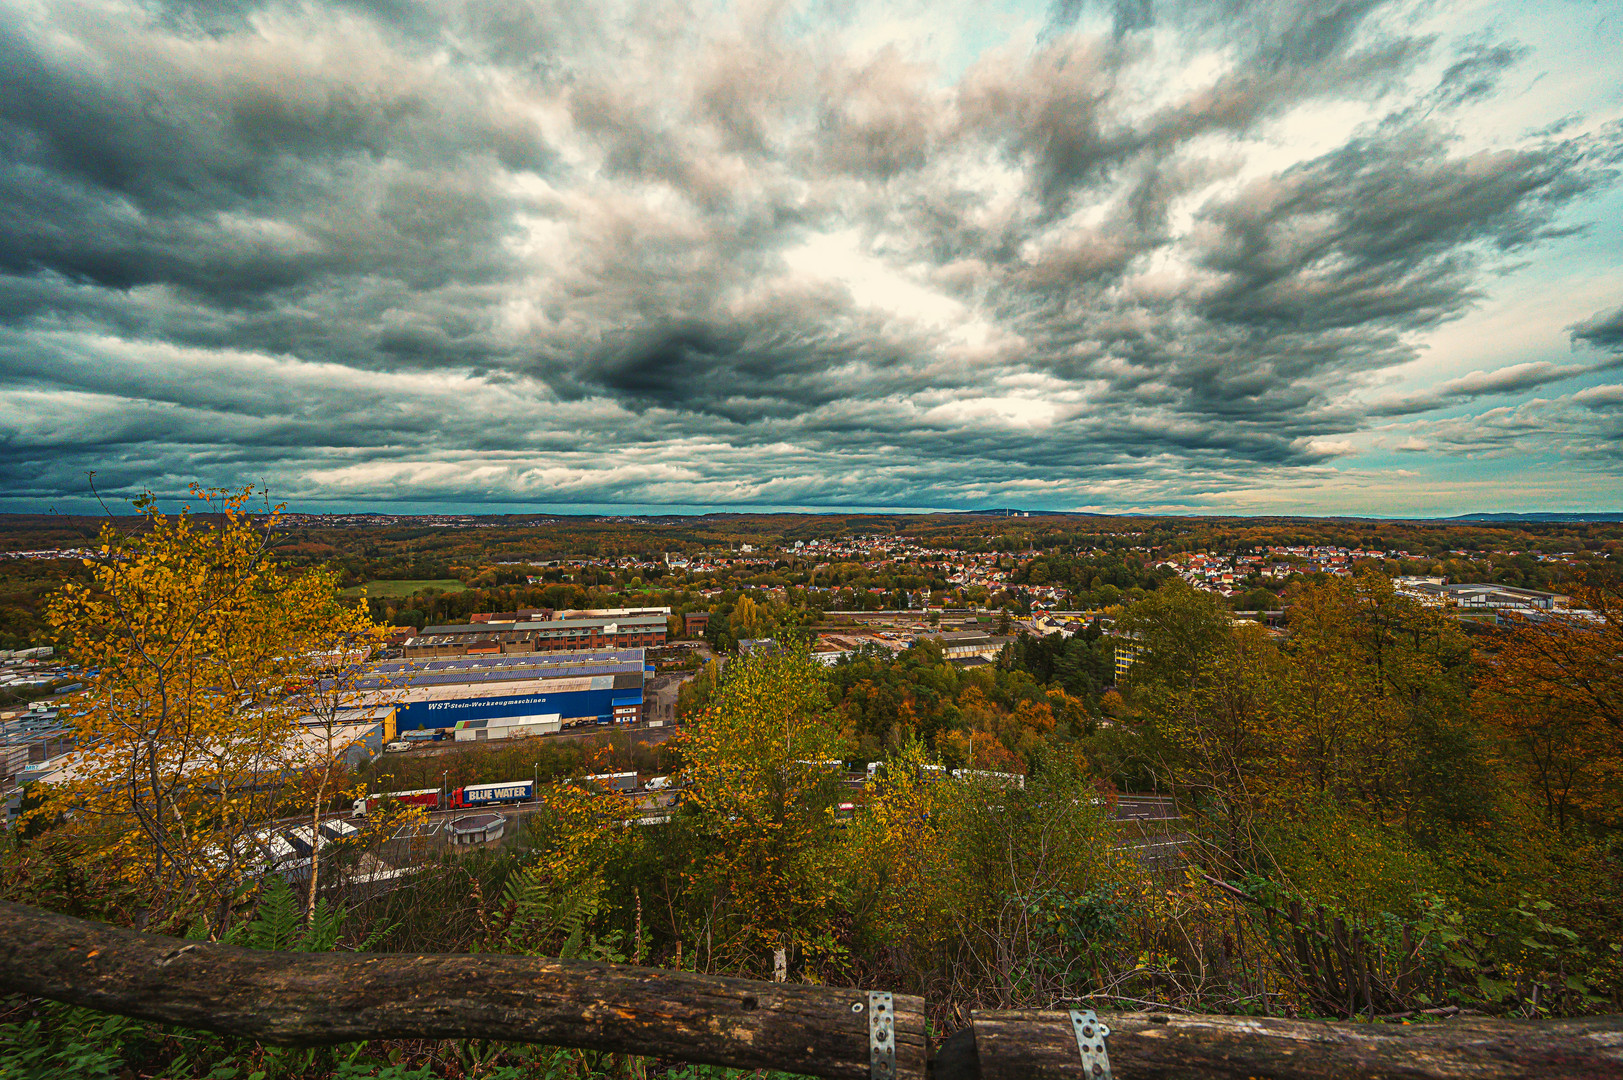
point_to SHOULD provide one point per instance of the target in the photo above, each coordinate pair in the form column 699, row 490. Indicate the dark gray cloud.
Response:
column 1516, row 379
column 642, row 253
column 1604, row 329
column 1477, row 73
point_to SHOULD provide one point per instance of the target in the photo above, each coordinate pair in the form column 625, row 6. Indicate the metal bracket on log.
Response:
column 1090, row 1043
column 881, row 1035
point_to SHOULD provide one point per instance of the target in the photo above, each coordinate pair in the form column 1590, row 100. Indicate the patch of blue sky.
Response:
column 950, row 37
column 1526, row 312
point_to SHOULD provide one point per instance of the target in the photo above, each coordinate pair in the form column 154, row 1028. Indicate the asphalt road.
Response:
column 1128, row 807
column 637, row 732
column 1146, row 808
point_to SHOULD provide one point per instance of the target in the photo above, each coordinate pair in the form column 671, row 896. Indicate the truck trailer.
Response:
column 619, row 781
column 427, row 798
column 512, row 791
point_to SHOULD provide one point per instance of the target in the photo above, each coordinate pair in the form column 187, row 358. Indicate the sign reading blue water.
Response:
column 486, row 793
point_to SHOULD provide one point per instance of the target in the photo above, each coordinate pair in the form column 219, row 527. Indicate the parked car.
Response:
column 396, row 747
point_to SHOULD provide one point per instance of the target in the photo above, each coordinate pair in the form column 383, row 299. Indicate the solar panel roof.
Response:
column 481, row 669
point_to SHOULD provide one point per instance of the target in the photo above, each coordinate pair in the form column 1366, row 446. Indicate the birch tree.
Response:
column 195, row 641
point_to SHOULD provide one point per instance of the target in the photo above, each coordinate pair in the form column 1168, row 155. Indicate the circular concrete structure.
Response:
column 477, row 829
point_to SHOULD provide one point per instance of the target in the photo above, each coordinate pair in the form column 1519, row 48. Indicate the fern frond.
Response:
column 540, row 914
column 275, row 924
column 321, row 933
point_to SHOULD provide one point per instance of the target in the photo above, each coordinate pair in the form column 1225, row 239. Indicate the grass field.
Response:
column 405, row 588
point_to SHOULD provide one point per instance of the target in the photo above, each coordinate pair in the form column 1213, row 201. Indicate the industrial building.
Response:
column 527, row 694
column 1434, row 591
column 520, row 638
column 470, row 697
column 33, row 738
column 970, row 646
column 353, row 737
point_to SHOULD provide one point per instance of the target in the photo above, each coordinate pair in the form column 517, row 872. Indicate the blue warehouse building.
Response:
column 603, row 687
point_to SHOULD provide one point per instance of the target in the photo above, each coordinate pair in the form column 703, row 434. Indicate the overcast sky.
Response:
column 1232, row 256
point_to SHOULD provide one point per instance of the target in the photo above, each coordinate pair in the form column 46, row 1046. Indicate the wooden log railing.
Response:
column 1039, row 1045
column 324, row 998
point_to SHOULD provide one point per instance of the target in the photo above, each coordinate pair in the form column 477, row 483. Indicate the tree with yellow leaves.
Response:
column 899, row 847
column 1360, row 707
column 1205, row 693
column 200, row 652
column 970, row 872
column 1552, row 686
column 748, row 620
column 762, row 767
column 1375, row 707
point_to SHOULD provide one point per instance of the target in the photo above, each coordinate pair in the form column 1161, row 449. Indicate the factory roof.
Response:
column 623, row 623
column 305, row 748
column 458, row 670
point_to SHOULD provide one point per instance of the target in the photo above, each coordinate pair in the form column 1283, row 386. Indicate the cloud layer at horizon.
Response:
column 1349, row 256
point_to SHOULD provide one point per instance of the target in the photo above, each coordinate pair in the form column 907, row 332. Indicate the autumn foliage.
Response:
column 1382, row 809
column 1552, row 686
column 201, row 653
column 762, row 768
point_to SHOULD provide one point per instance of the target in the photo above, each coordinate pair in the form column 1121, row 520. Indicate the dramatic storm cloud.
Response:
column 1313, row 256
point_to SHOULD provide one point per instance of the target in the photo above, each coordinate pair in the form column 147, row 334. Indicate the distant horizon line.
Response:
column 645, row 511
